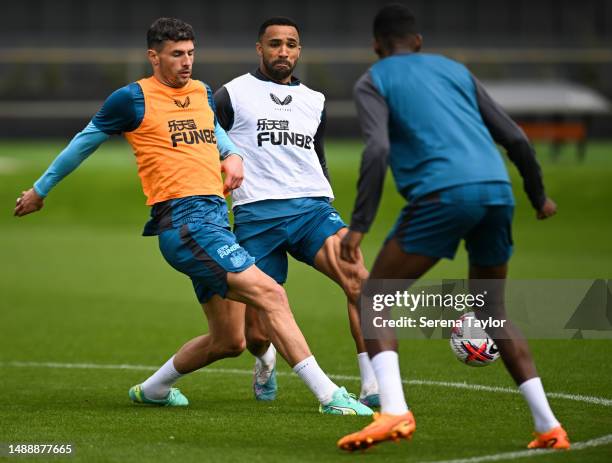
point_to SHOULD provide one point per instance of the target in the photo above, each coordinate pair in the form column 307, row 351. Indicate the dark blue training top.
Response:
column 437, row 136
column 434, row 124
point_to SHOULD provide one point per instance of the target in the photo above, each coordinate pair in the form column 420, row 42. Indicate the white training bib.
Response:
column 274, row 126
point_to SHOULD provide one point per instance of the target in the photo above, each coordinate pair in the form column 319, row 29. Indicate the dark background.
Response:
column 60, row 59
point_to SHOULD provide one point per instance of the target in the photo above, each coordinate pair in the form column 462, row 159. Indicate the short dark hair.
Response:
column 276, row 21
column 394, row 21
column 172, row 29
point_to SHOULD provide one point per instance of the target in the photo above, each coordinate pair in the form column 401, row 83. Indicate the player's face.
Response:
column 279, row 51
column 172, row 65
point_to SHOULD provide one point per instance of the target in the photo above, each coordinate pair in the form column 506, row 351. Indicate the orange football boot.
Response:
column 556, row 438
column 384, row 427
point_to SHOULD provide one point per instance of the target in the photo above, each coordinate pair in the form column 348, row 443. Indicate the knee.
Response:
column 232, row 346
column 235, row 347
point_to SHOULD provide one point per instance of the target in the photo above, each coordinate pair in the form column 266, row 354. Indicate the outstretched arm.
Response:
column 373, row 115
column 509, row 135
column 82, row 145
column 121, row 112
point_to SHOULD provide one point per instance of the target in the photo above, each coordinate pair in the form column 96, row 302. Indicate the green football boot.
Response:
column 343, row 403
column 174, row 398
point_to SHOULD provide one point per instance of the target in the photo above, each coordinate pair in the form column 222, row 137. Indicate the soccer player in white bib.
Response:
column 284, row 203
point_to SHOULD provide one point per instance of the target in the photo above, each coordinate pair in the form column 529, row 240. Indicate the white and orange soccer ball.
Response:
column 471, row 344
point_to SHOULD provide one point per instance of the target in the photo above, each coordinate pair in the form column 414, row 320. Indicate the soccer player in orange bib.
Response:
column 181, row 150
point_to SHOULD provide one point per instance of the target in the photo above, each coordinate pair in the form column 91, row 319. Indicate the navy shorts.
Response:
column 301, row 235
column 206, row 253
column 435, row 225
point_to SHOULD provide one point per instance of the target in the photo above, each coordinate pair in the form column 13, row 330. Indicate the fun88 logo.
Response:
column 237, row 255
column 226, row 250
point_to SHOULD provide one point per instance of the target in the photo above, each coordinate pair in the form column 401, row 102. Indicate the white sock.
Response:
column 264, row 365
column 386, row 368
column 543, row 417
column 158, row 385
column 369, row 385
column 317, row 381
column 268, row 359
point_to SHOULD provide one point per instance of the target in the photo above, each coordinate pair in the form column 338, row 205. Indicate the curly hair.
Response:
column 164, row 29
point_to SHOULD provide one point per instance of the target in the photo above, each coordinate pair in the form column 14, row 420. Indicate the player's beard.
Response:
column 276, row 73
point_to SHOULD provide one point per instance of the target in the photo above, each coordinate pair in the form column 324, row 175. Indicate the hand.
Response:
column 548, row 209
column 349, row 246
column 234, row 173
column 28, row 202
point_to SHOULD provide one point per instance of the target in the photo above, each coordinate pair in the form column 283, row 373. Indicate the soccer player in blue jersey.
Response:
column 435, row 125
column 283, row 206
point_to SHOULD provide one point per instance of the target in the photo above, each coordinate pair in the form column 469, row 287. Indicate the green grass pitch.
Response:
column 79, row 285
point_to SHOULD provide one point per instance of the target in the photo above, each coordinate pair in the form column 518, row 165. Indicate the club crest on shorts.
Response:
column 238, row 259
column 334, row 217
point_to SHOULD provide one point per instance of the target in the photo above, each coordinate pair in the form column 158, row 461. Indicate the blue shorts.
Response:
column 301, row 235
column 206, row 253
column 435, row 225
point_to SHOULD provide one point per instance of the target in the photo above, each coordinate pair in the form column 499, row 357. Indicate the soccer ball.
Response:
column 471, row 344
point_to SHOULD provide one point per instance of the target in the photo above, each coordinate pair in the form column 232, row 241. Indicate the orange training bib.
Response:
column 175, row 145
